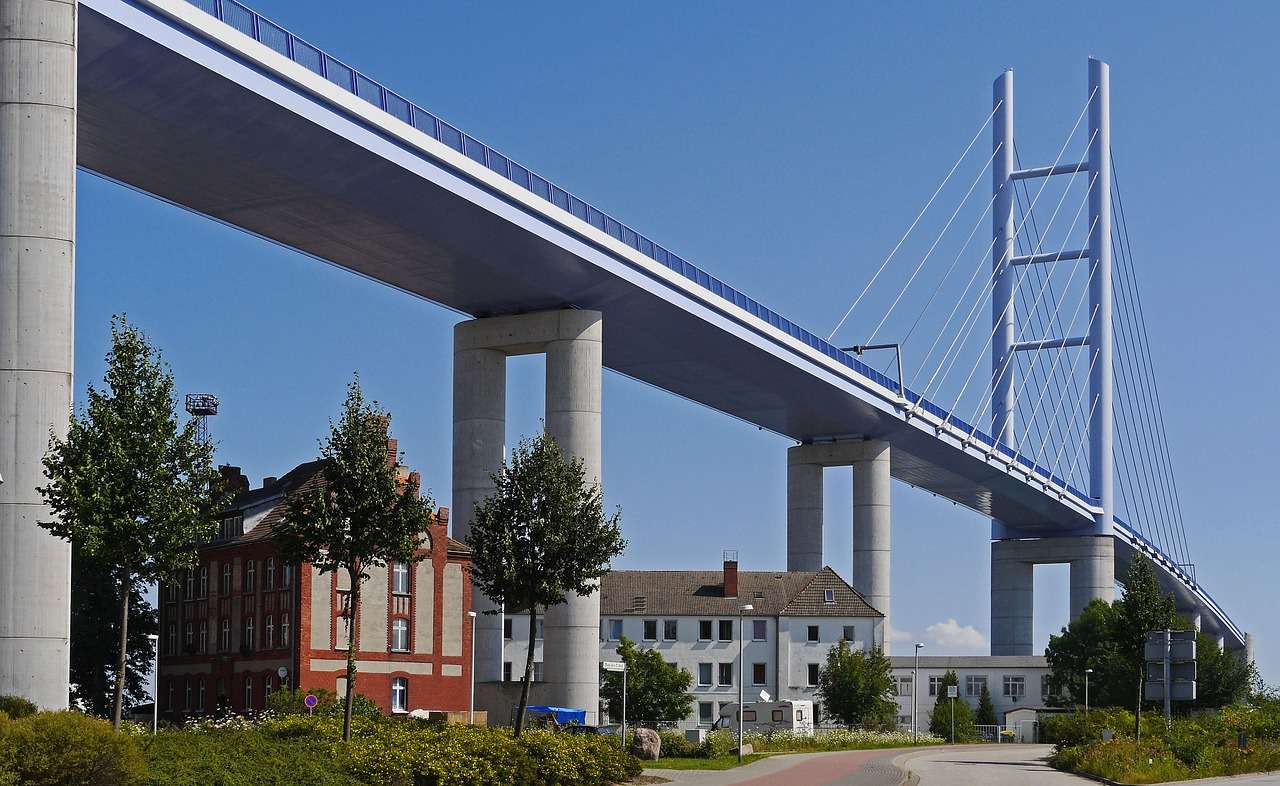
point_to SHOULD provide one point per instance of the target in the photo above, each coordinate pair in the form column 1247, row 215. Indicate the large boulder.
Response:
column 646, row 744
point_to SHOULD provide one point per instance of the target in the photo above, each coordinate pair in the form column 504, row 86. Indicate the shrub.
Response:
column 17, row 707
column 267, row 754
column 63, row 748
column 290, row 702
column 674, row 743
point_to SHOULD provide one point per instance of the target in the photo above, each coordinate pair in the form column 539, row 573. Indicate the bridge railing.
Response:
column 277, row 38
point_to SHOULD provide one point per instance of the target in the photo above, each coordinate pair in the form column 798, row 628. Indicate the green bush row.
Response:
column 723, row 742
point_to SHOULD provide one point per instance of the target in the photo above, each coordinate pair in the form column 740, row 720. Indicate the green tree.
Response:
column 656, row 690
column 986, row 715
column 1222, row 677
column 541, row 535
column 94, row 636
column 940, row 719
column 130, row 486
column 1090, row 642
column 1144, row 608
column 856, row 687
column 363, row 515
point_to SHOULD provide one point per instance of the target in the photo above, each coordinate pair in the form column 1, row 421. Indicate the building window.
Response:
column 247, row 644
column 200, row 696
column 726, row 630
column 286, row 577
column 400, row 695
column 250, row 575
column 186, row 694
column 650, row 630
column 813, row 674
column 670, row 630
column 1046, row 686
column 812, row 635
column 904, row 686
column 759, row 630
column 400, row 578
column 757, row 674
column 849, row 633
column 704, row 630
column 224, row 643
column 506, row 629
column 399, row 635
column 267, row 685
column 168, row 700
column 1015, row 686
column 726, row 674
column 269, row 632
column 270, row 568
column 506, row 671
column 284, row 630
column 189, row 636
column 172, row 646
column 191, row 585
column 171, row 592
column 829, row 596
column 615, row 630
column 226, row 578
column 537, row 629
column 204, row 581
column 705, row 713
column 974, row 684
column 204, row 636
column 935, row 686
column 537, row 671
column 248, row 691
column 704, row 673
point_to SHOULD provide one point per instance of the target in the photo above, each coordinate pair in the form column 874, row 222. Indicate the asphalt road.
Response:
column 842, row 768
column 986, row 765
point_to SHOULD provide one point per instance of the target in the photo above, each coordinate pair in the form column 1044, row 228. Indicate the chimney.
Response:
column 234, row 479
column 269, row 481
column 731, row 574
column 393, row 452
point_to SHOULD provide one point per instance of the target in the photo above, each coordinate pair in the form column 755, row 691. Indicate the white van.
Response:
column 770, row 716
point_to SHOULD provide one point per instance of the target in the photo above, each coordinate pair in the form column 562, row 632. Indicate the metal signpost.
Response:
column 311, row 701
column 1171, row 668
column 952, row 692
column 618, row 665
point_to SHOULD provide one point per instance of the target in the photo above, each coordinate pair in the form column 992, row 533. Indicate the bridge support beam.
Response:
column 872, row 513
column 572, row 342
column 1092, row 561
column 37, row 264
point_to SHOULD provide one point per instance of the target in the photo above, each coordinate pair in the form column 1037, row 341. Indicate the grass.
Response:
column 695, row 763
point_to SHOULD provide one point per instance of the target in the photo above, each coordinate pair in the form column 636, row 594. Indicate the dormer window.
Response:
column 829, row 596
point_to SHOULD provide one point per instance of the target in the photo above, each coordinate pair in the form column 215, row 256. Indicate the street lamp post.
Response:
column 742, row 637
column 471, row 703
column 154, row 638
column 915, row 691
column 1087, row 672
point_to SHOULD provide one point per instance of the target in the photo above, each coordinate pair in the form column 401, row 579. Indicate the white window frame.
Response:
column 973, row 684
column 720, row 625
column 759, row 630
column 400, row 581
column 710, row 626
column 711, row 673
column 644, row 630
column 812, row 673
column 706, row 713
column 1015, row 685
column 399, row 694
column 270, row 567
column 829, row 596
column 284, row 630
column 675, row 630
column 764, row 670
column 813, row 634
column 723, row 669
column 269, row 632
column 399, row 629
column 614, row 633
column 935, row 683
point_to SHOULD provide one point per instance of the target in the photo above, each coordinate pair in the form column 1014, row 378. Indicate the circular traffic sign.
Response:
column 311, row 700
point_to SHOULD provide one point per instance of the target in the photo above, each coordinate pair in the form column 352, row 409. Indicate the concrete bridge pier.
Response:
column 872, row 513
column 1092, row 561
column 37, row 302
column 572, row 343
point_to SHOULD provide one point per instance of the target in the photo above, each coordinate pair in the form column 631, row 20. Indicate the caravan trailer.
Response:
column 770, row 716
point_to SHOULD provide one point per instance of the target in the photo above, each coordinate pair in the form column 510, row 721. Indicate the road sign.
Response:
column 953, row 691
column 1178, row 672
column 1183, row 690
column 1182, row 645
column 613, row 665
column 311, row 701
column 1171, row 668
column 282, row 672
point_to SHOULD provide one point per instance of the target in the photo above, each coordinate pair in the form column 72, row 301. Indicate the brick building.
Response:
column 242, row 614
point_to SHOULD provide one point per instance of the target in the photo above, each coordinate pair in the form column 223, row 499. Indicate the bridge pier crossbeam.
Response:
column 572, row 342
column 872, row 514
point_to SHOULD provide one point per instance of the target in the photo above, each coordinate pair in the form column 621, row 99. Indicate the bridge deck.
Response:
column 256, row 128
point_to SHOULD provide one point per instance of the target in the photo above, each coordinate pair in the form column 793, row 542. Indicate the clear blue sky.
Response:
column 785, row 150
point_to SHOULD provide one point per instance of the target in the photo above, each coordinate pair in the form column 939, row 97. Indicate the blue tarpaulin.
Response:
column 562, row 715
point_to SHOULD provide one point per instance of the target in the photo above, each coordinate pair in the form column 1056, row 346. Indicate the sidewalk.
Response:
column 848, row 768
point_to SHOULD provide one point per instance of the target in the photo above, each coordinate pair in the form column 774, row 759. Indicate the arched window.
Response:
column 250, row 575
column 284, row 630
column 399, row 635
column 204, row 636
column 286, row 577
column 400, row 695
column 248, row 634
column 189, row 636
column 226, row 578
column 224, row 643
column 172, row 645
column 186, row 693
column 400, row 578
column 191, row 584
column 248, row 691
column 200, row 696
column 204, row 581
column 271, row 573
column 269, row 633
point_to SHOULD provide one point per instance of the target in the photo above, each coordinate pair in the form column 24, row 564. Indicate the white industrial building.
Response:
column 692, row 617
column 1014, row 682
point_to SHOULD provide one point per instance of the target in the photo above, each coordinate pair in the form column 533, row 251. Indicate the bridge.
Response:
column 214, row 108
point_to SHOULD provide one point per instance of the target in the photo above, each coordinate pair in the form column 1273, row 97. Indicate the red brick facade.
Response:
column 241, row 615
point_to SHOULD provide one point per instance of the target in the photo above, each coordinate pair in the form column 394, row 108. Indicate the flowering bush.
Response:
column 723, row 742
column 59, row 748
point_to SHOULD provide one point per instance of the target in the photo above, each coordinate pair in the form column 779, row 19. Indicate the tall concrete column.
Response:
column 804, row 512
column 37, row 284
column 871, row 525
column 1093, row 570
column 573, row 343
column 479, row 440
column 1012, row 598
